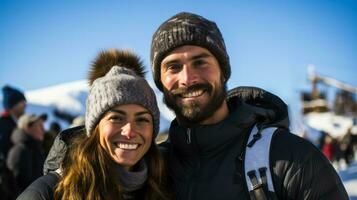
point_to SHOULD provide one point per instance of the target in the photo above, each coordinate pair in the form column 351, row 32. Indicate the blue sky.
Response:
column 270, row 43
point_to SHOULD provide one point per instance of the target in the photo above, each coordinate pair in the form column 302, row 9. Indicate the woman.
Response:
column 116, row 158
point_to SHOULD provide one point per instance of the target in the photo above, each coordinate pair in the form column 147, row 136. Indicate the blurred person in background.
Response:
column 78, row 121
column 347, row 146
column 14, row 103
column 26, row 157
column 329, row 147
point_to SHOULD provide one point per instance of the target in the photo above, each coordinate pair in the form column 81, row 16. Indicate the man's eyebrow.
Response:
column 195, row 57
column 201, row 55
column 170, row 62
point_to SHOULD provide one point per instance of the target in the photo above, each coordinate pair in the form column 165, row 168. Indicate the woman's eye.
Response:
column 143, row 120
column 116, row 119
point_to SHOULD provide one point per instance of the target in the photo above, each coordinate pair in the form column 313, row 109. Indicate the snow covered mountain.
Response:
column 67, row 100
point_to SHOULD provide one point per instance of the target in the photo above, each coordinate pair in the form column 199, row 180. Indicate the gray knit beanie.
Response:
column 119, row 86
column 187, row 29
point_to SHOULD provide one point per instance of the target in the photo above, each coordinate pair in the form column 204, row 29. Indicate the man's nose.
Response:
column 188, row 76
column 128, row 131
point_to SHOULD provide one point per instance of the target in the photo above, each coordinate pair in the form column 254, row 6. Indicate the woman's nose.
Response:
column 128, row 131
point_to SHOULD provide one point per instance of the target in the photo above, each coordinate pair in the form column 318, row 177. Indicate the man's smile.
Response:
column 192, row 94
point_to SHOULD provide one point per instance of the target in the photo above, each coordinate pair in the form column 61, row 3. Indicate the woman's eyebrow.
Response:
column 142, row 113
column 118, row 111
column 124, row 113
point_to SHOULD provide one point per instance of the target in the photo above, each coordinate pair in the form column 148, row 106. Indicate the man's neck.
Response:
column 220, row 114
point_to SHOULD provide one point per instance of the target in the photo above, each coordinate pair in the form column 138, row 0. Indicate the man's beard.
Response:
column 195, row 112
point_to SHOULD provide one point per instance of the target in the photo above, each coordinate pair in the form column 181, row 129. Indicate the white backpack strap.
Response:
column 257, row 157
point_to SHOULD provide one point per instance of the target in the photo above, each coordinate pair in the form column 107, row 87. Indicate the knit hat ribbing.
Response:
column 187, row 29
column 11, row 97
column 121, row 85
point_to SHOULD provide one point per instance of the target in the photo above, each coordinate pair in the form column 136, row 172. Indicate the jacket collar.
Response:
column 247, row 106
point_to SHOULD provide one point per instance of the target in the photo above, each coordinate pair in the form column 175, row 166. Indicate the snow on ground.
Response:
column 349, row 178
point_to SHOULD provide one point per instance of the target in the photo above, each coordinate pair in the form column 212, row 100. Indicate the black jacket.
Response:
column 43, row 187
column 205, row 161
column 7, row 126
column 25, row 159
column 8, row 187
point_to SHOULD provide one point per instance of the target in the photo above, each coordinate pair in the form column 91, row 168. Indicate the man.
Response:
column 209, row 136
column 14, row 103
column 26, row 158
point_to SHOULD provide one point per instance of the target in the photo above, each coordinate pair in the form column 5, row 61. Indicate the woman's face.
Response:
column 125, row 133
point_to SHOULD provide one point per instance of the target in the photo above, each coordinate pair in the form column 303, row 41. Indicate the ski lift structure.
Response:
column 319, row 114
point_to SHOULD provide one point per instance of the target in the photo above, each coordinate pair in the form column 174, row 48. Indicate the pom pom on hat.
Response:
column 114, row 57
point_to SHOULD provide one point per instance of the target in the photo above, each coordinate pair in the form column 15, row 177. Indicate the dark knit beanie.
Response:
column 187, row 29
column 123, row 84
column 11, row 97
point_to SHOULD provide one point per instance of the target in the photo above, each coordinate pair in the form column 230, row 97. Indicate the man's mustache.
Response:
column 198, row 86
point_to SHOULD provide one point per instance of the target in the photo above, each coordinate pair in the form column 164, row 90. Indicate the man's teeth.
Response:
column 192, row 94
column 128, row 146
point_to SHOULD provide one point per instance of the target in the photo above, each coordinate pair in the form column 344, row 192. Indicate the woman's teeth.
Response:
column 127, row 146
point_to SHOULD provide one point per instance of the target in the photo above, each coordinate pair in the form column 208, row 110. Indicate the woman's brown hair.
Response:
column 88, row 172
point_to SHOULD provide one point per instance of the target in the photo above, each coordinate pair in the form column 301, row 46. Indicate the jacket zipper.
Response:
column 191, row 183
column 188, row 136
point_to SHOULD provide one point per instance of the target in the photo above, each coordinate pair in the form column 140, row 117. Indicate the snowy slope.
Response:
column 333, row 124
column 70, row 98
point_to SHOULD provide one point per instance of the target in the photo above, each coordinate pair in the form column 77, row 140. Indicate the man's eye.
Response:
column 199, row 62
column 174, row 67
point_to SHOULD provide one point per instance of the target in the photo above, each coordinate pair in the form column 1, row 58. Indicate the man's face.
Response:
column 193, row 83
column 19, row 109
